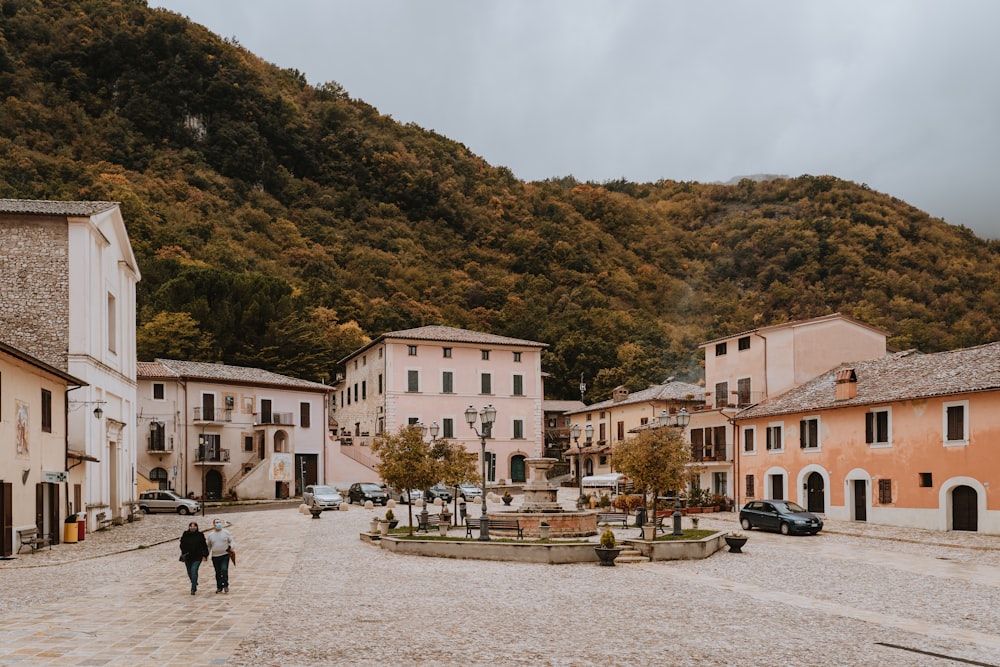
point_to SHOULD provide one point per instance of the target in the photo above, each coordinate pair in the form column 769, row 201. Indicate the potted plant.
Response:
column 694, row 522
column 507, row 498
column 373, row 526
column 390, row 516
column 649, row 531
column 606, row 550
column 736, row 542
column 543, row 530
column 383, row 527
column 444, row 521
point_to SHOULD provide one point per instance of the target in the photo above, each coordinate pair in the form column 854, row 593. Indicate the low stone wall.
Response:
column 679, row 549
column 553, row 554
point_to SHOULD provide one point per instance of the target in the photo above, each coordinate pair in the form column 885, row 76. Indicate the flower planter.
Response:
column 649, row 532
column 316, row 511
column 607, row 556
column 443, row 528
column 543, row 532
column 373, row 526
column 735, row 544
column 393, row 524
column 383, row 527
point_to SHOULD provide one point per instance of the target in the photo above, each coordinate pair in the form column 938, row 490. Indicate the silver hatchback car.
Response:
column 165, row 500
column 322, row 496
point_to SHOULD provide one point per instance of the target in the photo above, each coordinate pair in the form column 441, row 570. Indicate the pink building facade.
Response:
column 432, row 375
column 905, row 440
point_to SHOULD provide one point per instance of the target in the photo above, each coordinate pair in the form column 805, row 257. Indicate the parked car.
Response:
column 322, row 496
column 405, row 497
column 360, row 492
column 439, row 491
column 165, row 500
column 781, row 515
column 467, row 491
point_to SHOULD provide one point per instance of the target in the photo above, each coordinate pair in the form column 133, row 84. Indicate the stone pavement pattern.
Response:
column 308, row 592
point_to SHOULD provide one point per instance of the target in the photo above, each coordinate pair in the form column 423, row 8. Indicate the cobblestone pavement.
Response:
column 309, row 592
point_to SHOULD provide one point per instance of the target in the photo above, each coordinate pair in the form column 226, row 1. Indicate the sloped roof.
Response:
column 669, row 391
column 48, row 207
column 897, row 377
column 443, row 334
column 562, row 406
column 796, row 323
column 173, row 369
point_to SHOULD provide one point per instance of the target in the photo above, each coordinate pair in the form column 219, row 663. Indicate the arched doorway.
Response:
column 815, row 493
column 517, row 469
column 588, row 467
column 213, row 485
column 964, row 508
column 159, row 477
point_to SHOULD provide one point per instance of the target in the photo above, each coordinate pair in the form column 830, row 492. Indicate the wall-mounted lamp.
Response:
column 98, row 411
column 24, row 475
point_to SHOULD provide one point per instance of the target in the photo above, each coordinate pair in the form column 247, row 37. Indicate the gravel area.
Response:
column 854, row 594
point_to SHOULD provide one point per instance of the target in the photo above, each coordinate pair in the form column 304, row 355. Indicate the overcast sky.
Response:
column 903, row 95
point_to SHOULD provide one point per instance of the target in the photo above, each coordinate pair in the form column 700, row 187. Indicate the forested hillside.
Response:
column 277, row 224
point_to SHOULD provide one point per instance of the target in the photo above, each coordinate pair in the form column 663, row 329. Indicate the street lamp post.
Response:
column 575, row 432
column 487, row 416
column 679, row 421
column 433, row 430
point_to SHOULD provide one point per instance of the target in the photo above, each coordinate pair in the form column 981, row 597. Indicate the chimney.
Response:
column 619, row 394
column 847, row 384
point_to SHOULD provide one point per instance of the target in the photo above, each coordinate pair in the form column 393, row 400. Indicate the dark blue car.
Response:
column 781, row 515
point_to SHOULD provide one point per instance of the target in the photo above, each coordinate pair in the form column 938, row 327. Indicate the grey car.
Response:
column 405, row 497
column 165, row 500
column 322, row 496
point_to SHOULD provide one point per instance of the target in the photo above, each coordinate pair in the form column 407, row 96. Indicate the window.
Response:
column 517, row 357
column 411, row 350
column 885, row 492
column 248, row 443
column 877, row 427
column 809, row 433
column 380, row 425
column 157, row 439
column 743, row 343
column 774, row 440
column 486, row 382
column 46, row 410
column 743, row 391
column 446, row 352
column 708, row 444
column 621, row 430
column 447, row 382
column 749, row 487
column 519, row 385
column 159, row 391
column 602, row 432
column 720, row 349
column 380, row 384
column 364, row 360
column 412, row 420
column 112, row 325
column 159, row 475
column 447, row 427
column 749, row 446
column 956, row 425
column 491, row 467
column 721, row 394
column 304, row 416
column 208, row 448
column 518, row 429
column 364, row 389
column 355, row 392
column 485, row 354
column 926, row 480
column 412, row 381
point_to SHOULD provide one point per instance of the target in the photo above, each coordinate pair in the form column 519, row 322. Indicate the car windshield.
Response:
column 323, row 490
column 371, row 487
column 789, row 507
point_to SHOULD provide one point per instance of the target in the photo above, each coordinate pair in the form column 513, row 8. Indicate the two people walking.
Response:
column 197, row 547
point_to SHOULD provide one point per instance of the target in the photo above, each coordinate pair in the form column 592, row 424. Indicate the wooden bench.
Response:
column 472, row 524
column 613, row 517
column 432, row 521
column 30, row 538
column 102, row 520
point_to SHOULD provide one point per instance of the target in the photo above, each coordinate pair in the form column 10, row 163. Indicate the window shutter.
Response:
column 870, row 427
column 803, row 433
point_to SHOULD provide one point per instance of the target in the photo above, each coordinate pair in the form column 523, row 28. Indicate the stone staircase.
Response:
column 629, row 556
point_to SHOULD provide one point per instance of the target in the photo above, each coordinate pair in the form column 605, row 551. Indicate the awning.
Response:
column 83, row 456
column 610, row 479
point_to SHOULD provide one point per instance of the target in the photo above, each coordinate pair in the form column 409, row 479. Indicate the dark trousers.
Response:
column 221, row 564
column 192, row 570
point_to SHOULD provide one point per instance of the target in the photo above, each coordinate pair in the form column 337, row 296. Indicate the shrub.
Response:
column 607, row 539
column 628, row 503
column 389, row 515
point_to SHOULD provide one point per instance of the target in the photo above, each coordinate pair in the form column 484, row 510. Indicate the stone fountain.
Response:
column 540, row 504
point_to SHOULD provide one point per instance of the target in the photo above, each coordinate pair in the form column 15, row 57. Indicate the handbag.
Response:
column 232, row 555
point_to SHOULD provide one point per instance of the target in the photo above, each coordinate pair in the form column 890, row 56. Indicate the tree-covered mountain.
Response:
column 277, row 224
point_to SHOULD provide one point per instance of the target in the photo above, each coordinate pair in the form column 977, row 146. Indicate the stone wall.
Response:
column 34, row 286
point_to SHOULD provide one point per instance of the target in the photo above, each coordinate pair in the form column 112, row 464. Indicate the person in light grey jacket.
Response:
column 220, row 545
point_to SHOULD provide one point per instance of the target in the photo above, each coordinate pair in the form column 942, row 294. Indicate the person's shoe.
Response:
column 218, row 591
column 225, row 589
column 193, row 591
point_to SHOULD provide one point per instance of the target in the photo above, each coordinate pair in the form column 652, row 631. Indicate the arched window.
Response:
column 159, row 476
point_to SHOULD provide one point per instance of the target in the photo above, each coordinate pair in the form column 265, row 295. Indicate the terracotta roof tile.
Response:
column 670, row 391
column 50, row 207
column 222, row 373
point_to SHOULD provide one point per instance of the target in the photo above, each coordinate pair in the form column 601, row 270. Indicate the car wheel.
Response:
column 746, row 524
column 144, row 509
column 813, row 532
column 784, row 528
column 183, row 510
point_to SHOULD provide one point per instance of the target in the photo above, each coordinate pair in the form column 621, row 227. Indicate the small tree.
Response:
column 656, row 459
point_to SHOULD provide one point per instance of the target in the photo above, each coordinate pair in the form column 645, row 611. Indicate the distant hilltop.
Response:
column 760, row 178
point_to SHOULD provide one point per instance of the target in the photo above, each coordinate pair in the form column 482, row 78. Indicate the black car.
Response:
column 439, row 491
column 781, row 515
column 364, row 491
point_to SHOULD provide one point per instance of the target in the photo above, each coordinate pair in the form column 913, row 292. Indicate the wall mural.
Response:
column 21, row 431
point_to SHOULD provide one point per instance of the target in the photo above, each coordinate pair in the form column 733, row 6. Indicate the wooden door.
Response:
column 778, row 487
column 815, row 495
column 964, row 509
column 860, row 503
column 7, row 518
column 517, row 469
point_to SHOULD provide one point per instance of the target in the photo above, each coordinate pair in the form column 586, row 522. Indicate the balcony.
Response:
column 277, row 418
column 159, row 448
column 707, row 455
column 208, row 456
column 215, row 415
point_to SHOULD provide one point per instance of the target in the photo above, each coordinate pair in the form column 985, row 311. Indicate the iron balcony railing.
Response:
column 213, row 414
column 210, row 454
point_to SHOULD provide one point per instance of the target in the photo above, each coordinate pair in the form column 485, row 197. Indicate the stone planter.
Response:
column 607, row 556
column 393, row 524
column 316, row 511
column 507, row 500
column 649, row 532
column 443, row 528
column 383, row 527
column 735, row 544
column 373, row 526
column 543, row 532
